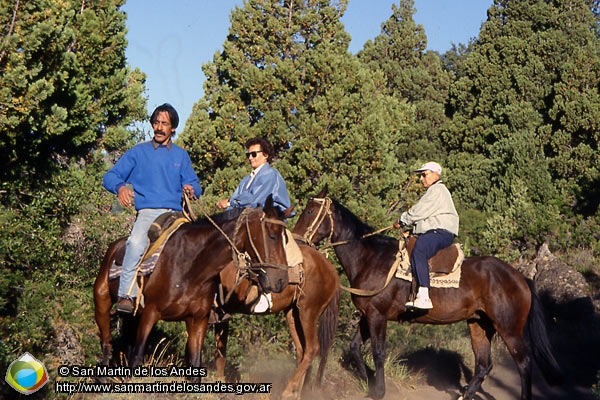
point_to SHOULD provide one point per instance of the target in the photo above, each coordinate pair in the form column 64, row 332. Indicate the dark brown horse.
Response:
column 492, row 297
column 303, row 304
column 183, row 283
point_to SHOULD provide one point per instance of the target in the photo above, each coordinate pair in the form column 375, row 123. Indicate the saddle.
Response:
column 444, row 261
column 158, row 233
column 162, row 223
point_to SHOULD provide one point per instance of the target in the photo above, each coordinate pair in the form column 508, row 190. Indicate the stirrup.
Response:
column 125, row 305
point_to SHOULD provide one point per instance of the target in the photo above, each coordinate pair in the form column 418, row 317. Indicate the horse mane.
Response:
column 220, row 217
column 359, row 227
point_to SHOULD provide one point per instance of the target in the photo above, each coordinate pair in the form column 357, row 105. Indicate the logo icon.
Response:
column 26, row 374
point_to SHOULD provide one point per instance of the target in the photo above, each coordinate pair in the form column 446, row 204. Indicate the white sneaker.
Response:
column 424, row 303
column 264, row 303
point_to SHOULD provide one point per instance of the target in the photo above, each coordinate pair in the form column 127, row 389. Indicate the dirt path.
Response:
column 437, row 379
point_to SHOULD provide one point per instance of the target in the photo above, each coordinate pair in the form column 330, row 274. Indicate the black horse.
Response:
column 492, row 297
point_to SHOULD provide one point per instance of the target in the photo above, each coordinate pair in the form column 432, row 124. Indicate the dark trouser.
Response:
column 427, row 245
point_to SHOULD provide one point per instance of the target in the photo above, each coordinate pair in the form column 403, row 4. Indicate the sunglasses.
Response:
column 253, row 154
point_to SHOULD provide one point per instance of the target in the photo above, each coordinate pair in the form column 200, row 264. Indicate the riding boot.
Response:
column 125, row 305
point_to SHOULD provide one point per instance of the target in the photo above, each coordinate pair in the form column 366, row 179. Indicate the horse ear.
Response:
column 324, row 191
column 288, row 212
column 268, row 202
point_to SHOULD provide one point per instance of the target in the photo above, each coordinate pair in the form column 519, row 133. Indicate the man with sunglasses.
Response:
column 255, row 187
column 253, row 191
column 435, row 221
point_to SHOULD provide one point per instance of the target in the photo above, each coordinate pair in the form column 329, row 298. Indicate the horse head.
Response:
column 265, row 235
column 316, row 221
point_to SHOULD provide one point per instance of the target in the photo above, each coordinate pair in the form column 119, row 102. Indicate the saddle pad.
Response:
column 151, row 255
column 293, row 253
column 296, row 274
column 145, row 268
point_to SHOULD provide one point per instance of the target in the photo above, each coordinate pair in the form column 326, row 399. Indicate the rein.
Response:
column 325, row 211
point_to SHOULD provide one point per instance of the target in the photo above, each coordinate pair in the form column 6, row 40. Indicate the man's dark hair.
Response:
column 173, row 116
column 265, row 146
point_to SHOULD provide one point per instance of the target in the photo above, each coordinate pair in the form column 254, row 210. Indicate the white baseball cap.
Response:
column 431, row 166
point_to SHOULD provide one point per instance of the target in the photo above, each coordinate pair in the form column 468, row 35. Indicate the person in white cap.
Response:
column 435, row 221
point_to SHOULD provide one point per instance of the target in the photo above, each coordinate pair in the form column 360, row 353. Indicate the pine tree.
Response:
column 285, row 73
column 66, row 95
column 524, row 132
column 64, row 86
column 414, row 75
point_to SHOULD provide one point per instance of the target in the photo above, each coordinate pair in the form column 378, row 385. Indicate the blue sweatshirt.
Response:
column 157, row 174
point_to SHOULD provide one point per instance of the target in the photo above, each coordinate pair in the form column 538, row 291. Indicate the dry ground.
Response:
column 433, row 376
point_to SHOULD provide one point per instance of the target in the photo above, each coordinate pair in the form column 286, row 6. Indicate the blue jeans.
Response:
column 427, row 245
column 135, row 248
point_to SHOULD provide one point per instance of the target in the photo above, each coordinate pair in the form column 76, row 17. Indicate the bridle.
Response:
column 264, row 220
column 325, row 212
column 243, row 260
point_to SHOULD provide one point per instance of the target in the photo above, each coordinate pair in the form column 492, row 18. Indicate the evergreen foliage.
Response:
column 64, row 85
column 411, row 74
column 66, row 96
column 285, row 73
column 523, row 135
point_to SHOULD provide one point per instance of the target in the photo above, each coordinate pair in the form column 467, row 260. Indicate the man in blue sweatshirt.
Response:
column 152, row 176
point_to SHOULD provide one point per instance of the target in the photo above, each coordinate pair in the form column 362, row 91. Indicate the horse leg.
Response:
column 377, row 330
column 221, row 336
column 522, row 356
column 146, row 323
column 102, row 316
column 196, row 329
column 481, row 337
column 102, row 305
column 361, row 336
column 290, row 317
column 308, row 320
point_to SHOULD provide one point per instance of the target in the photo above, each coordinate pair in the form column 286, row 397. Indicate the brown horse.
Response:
column 303, row 304
column 183, row 283
column 492, row 297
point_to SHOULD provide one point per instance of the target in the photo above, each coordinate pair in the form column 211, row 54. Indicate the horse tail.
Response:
column 540, row 341
column 327, row 328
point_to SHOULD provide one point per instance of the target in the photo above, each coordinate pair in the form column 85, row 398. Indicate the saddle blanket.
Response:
column 146, row 267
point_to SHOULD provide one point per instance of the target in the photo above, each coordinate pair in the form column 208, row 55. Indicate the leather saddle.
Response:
column 160, row 225
column 443, row 262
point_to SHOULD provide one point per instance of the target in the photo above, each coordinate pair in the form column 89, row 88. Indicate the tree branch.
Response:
column 10, row 30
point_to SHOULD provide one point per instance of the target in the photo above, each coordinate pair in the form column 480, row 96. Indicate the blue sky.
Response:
column 170, row 40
